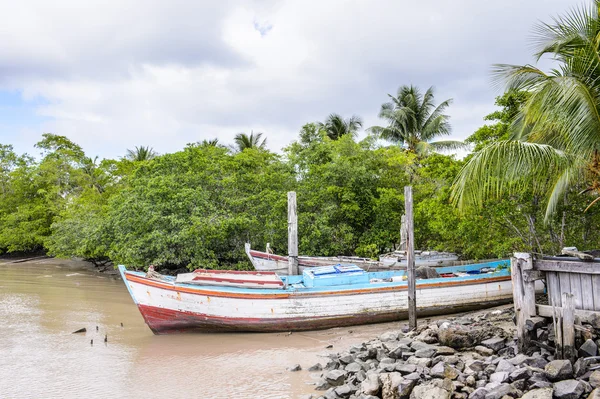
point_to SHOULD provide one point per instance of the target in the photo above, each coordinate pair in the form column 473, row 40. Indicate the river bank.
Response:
column 42, row 302
column 472, row 356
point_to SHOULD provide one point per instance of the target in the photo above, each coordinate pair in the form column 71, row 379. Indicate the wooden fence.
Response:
column 573, row 289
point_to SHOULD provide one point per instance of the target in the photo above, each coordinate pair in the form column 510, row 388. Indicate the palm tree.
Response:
column 243, row 141
column 555, row 138
column 336, row 126
column 141, row 153
column 210, row 143
column 414, row 120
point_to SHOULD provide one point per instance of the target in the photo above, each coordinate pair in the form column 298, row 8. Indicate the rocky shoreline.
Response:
column 469, row 357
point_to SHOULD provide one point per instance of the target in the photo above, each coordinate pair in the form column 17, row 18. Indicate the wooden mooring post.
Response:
column 410, row 258
column 521, row 266
column 292, row 234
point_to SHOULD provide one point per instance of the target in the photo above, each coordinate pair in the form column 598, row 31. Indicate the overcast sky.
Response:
column 112, row 75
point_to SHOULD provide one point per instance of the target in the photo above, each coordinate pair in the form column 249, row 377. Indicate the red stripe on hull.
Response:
column 165, row 321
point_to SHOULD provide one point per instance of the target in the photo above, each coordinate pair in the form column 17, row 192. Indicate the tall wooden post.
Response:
column 292, row 234
column 523, row 295
column 410, row 263
column 568, row 327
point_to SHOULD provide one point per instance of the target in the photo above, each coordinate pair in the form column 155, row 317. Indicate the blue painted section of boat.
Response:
column 122, row 270
column 355, row 280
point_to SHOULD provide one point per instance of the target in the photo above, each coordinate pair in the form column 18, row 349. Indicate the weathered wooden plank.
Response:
column 292, row 234
column 565, row 285
column 553, row 285
column 566, row 266
column 410, row 249
column 575, row 279
column 587, row 292
column 568, row 327
column 596, row 291
column 584, row 315
column 523, row 296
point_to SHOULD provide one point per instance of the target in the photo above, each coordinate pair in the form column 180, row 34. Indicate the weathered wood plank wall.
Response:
column 585, row 289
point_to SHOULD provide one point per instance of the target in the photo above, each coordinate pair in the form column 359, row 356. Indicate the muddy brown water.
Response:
column 42, row 302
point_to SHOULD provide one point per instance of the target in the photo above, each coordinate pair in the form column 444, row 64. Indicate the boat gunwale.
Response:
column 291, row 292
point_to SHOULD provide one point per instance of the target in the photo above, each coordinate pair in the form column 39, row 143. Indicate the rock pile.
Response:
column 465, row 358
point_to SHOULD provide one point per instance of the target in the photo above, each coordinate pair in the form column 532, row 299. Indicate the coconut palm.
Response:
column 414, row 120
column 336, row 126
column 244, row 141
column 210, row 143
column 141, row 153
column 555, row 138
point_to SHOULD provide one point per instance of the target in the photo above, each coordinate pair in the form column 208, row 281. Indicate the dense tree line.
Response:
column 198, row 206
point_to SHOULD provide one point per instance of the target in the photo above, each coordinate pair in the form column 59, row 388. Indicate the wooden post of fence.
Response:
column 568, row 327
column 523, row 295
column 292, row 234
column 410, row 258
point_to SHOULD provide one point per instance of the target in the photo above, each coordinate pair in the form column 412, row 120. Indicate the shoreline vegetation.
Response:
column 197, row 207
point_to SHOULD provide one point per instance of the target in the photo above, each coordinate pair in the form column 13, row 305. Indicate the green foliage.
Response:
column 244, row 141
column 336, row 126
column 141, row 153
column 511, row 103
column 555, row 136
column 414, row 120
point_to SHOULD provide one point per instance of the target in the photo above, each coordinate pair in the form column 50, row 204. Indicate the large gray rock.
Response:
column 519, row 359
column 505, row 366
column 425, row 352
column 595, row 379
column 444, row 370
column 502, row 390
column 405, row 388
column 444, row 350
column 499, row 377
column 336, row 377
column 542, row 393
column 389, row 336
column 434, row 389
column 417, row 345
column 322, row 385
column 316, row 367
column 406, row 368
column 520, row 374
column 345, row 390
column 371, row 385
column 389, row 385
column 558, row 370
column 484, row 350
column 494, row 344
column 479, row 393
column 346, row 358
column 568, row 389
column 353, row 368
column 589, row 348
column 418, row 361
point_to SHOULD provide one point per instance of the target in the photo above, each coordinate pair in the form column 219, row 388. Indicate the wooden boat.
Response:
column 422, row 258
column 319, row 298
column 265, row 261
column 231, row 278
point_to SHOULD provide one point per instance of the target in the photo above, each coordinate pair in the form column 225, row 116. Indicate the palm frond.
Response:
column 506, row 167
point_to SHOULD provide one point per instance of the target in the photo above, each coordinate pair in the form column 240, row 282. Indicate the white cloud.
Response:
column 115, row 75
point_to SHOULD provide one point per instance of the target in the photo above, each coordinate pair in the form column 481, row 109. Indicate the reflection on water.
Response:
column 43, row 302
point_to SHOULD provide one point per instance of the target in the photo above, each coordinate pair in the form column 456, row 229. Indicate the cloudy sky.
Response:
column 112, row 75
